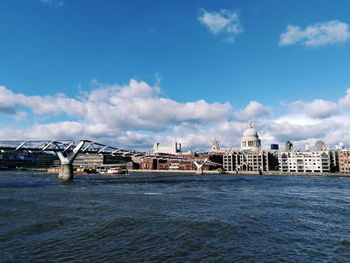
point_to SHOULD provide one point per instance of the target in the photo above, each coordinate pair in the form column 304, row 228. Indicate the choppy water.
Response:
column 174, row 218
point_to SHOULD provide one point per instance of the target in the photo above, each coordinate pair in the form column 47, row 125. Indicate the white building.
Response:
column 168, row 148
column 250, row 157
column 247, row 161
column 305, row 161
column 250, row 140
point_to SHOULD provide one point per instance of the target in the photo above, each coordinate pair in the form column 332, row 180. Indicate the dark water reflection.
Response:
column 174, row 218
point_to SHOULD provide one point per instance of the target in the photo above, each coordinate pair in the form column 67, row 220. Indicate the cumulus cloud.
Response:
column 284, row 131
column 224, row 22
column 110, row 110
column 41, row 104
column 7, row 106
column 52, row 3
column 345, row 101
column 319, row 34
column 318, row 109
column 229, row 134
column 135, row 106
column 135, row 115
column 253, row 110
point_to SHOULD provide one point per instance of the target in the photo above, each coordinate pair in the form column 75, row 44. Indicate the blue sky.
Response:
column 274, row 61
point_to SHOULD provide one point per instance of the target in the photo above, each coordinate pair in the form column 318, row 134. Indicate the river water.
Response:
column 174, row 218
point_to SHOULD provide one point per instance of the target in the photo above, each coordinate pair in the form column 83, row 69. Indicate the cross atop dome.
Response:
column 250, row 123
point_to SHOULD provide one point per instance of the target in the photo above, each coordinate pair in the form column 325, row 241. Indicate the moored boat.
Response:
column 116, row 170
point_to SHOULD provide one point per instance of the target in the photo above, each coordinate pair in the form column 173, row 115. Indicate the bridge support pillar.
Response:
column 200, row 165
column 66, row 172
column 199, row 170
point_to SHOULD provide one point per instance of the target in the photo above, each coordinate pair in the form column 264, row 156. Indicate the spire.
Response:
column 215, row 145
column 250, row 123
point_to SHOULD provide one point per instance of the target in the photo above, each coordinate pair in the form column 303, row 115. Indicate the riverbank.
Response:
column 174, row 171
column 271, row 173
column 278, row 173
column 204, row 172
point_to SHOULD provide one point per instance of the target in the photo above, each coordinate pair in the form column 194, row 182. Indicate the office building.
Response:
column 172, row 148
column 305, row 161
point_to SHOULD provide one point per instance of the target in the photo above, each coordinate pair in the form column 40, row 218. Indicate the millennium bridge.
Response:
column 67, row 151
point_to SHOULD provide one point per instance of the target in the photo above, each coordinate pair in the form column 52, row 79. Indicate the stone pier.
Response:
column 66, row 172
column 199, row 165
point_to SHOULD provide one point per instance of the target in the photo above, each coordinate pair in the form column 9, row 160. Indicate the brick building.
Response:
column 344, row 161
column 184, row 163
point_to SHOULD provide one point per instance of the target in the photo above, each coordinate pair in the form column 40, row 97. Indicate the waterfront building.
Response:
column 182, row 162
column 344, row 161
column 147, row 163
column 251, row 157
column 45, row 160
column 235, row 160
column 154, row 163
column 26, row 159
column 334, row 157
column 93, row 160
column 305, row 161
column 168, row 148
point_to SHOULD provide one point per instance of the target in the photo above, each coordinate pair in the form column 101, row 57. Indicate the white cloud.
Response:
column 7, row 105
column 317, row 109
column 52, row 3
column 345, row 102
column 135, row 115
column 108, row 108
column 225, row 22
column 319, row 34
column 253, row 110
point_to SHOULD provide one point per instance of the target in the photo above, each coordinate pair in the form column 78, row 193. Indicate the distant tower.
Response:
column 307, row 148
column 288, row 146
column 340, row 146
column 215, row 145
column 320, row 146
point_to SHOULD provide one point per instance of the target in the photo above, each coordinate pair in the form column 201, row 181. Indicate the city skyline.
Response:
column 130, row 73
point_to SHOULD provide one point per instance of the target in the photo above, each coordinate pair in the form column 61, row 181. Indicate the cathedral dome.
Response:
column 250, row 132
column 250, row 140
